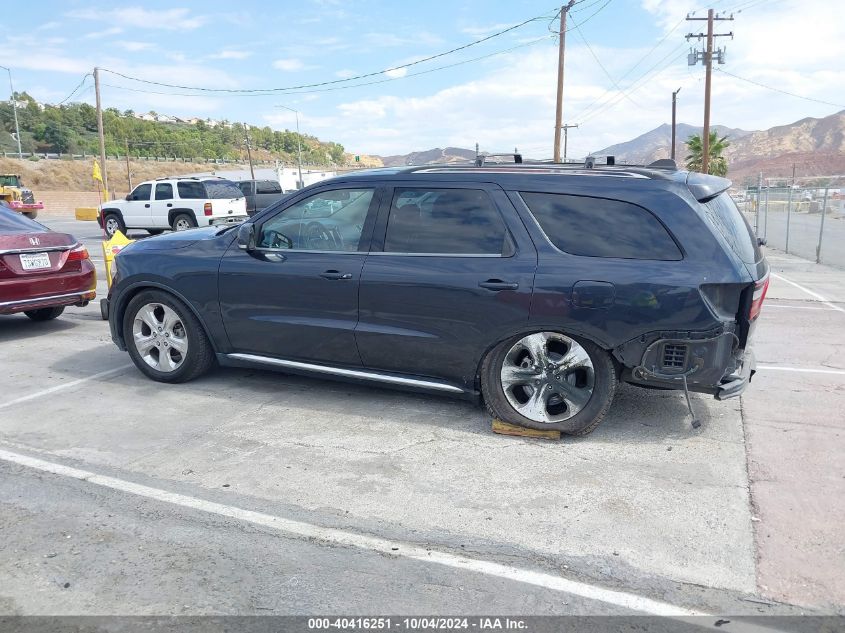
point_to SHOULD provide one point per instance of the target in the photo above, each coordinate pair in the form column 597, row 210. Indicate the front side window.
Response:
column 332, row 220
column 597, row 227
column 444, row 221
column 141, row 192
column 191, row 190
column 164, row 191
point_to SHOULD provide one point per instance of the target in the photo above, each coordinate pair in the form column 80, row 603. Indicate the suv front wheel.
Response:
column 548, row 380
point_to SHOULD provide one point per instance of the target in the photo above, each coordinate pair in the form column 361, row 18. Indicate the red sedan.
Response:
column 41, row 271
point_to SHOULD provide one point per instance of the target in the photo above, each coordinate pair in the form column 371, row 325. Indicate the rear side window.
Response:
column 164, row 191
column 728, row 220
column 596, row 227
column 222, row 189
column 268, row 186
column 192, row 190
column 446, row 221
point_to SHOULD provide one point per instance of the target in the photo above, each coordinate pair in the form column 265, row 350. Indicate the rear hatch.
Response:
column 226, row 199
column 721, row 212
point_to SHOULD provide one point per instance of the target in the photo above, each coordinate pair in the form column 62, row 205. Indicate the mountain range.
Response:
column 816, row 146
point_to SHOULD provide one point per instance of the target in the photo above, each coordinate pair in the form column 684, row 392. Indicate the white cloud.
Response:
column 231, row 54
column 114, row 30
column 289, row 65
column 135, row 46
column 345, row 74
column 395, row 73
column 177, row 19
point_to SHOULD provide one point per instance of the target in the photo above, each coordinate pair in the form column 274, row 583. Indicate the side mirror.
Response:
column 246, row 236
column 128, row 197
column 761, row 241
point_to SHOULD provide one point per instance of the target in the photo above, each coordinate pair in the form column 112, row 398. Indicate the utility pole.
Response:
column 707, row 57
column 103, row 169
column 15, row 108
column 128, row 175
column 249, row 151
column 566, row 137
column 560, row 62
column 674, row 108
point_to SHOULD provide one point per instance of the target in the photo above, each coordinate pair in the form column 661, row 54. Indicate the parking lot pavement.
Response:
column 795, row 431
column 644, row 504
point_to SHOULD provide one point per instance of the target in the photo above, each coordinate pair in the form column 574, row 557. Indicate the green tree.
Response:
column 718, row 165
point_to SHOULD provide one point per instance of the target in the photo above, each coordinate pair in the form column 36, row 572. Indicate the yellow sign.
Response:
column 96, row 175
column 110, row 250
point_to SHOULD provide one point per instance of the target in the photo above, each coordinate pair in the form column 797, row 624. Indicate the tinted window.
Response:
column 164, row 191
column 246, row 187
column 222, row 189
column 728, row 220
column 459, row 221
column 595, row 227
column 268, row 186
column 192, row 190
column 14, row 222
column 142, row 192
column 331, row 220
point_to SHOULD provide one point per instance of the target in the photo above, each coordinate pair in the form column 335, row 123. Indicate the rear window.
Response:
column 268, row 186
column 729, row 221
column 596, row 227
column 14, row 222
column 219, row 189
column 191, row 190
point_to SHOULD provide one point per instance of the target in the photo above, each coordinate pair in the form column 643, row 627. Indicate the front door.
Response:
column 295, row 296
column 454, row 274
column 136, row 211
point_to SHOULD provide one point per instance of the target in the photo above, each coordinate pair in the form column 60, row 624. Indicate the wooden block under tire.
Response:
column 503, row 428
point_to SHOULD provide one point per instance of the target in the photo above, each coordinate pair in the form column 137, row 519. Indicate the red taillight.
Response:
column 760, row 289
column 77, row 254
column 207, row 208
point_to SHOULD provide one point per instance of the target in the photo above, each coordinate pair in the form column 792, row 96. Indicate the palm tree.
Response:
column 717, row 166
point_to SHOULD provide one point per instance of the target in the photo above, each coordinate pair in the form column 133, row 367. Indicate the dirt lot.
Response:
column 258, row 492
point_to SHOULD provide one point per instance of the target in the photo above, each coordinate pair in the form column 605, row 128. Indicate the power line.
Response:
column 791, row 94
column 334, row 81
column 347, row 87
column 84, row 77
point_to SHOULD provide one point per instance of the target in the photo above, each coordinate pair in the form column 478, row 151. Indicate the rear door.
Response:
column 137, row 209
column 451, row 272
column 162, row 204
column 295, row 296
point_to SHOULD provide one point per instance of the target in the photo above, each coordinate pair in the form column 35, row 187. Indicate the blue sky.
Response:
column 623, row 61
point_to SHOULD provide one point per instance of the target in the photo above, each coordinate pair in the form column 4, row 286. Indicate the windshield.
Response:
column 10, row 181
column 220, row 189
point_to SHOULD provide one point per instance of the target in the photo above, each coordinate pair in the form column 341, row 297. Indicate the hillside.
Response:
column 815, row 146
column 436, row 155
column 72, row 129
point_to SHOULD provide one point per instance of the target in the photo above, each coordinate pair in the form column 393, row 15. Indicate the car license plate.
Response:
column 35, row 261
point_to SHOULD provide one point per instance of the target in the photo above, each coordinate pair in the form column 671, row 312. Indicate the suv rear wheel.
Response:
column 183, row 222
column 164, row 338
column 548, row 380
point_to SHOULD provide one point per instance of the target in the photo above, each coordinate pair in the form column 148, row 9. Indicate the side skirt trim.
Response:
column 348, row 373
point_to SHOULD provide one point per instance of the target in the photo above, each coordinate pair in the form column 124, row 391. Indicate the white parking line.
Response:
column 392, row 549
column 808, row 370
column 812, row 293
column 770, row 305
column 64, row 385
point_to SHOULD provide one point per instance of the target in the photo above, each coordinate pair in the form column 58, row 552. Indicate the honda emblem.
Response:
column 34, row 241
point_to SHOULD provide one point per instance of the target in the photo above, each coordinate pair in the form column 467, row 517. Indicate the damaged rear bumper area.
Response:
column 704, row 362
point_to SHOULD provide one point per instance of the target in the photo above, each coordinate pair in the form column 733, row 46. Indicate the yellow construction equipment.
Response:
column 18, row 197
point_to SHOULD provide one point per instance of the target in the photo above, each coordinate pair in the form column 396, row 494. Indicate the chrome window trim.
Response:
column 482, row 255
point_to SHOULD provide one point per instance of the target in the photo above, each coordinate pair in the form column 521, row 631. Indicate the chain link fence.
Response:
column 804, row 221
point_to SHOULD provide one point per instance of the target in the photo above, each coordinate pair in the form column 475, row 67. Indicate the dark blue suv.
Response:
column 536, row 287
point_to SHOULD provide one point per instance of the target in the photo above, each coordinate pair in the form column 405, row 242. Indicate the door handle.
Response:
column 169, row 204
column 147, row 205
column 334, row 274
column 498, row 284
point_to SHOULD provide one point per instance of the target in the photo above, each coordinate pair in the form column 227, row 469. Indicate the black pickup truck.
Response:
column 260, row 194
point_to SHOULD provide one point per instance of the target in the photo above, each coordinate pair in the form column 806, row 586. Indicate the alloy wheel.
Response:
column 112, row 225
column 182, row 224
column 547, row 377
column 159, row 337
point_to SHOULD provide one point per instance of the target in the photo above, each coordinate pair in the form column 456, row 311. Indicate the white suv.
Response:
column 175, row 203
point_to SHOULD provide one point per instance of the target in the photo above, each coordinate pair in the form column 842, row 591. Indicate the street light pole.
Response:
column 15, row 108
column 298, row 144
